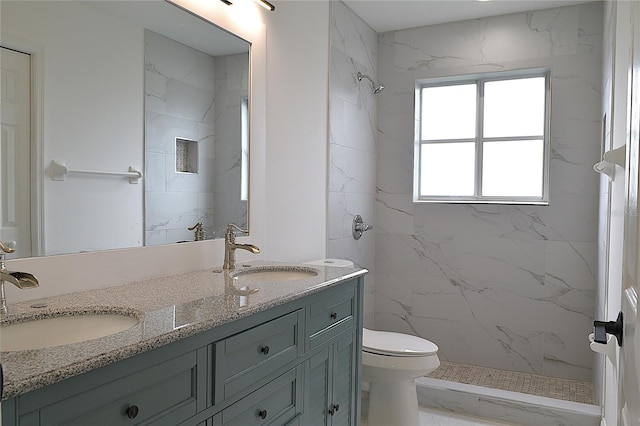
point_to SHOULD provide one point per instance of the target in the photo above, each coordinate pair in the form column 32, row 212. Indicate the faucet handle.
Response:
column 8, row 248
column 231, row 226
column 196, row 227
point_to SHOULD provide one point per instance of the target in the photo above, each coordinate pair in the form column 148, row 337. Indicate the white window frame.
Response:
column 479, row 139
column 244, row 139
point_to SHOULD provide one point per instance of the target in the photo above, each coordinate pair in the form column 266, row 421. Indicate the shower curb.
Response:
column 504, row 406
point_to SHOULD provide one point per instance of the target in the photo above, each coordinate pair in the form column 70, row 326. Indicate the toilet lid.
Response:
column 398, row 344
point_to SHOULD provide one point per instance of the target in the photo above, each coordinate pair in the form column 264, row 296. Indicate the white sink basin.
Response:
column 273, row 274
column 57, row 331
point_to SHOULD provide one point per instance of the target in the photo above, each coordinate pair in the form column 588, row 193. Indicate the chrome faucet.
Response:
column 22, row 280
column 230, row 246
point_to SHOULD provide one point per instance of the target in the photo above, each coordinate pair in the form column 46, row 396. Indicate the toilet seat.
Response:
column 396, row 344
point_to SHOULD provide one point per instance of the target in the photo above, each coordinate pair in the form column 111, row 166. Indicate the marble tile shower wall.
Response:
column 352, row 145
column 232, row 85
column 502, row 286
column 175, row 201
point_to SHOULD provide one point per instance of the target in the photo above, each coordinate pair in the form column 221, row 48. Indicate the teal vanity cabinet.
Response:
column 297, row 363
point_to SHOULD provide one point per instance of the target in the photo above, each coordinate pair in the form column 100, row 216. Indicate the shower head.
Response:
column 376, row 87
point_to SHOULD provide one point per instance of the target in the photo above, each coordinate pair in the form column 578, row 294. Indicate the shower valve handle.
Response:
column 358, row 227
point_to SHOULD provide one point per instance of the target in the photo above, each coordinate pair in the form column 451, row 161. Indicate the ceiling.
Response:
column 389, row 15
column 169, row 20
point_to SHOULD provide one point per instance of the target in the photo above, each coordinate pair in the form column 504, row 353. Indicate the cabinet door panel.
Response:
column 330, row 378
column 318, row 388
column 344, row 376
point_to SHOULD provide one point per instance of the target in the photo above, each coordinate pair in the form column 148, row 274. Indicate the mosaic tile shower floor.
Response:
column 550, row 387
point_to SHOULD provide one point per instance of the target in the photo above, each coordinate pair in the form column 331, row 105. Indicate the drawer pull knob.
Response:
column 265, row 350
column 333, row 409
column 334, row 315
column 132, row 412
column 262, row 414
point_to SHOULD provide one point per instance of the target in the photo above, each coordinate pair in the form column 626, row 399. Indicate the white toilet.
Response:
column 390, row 363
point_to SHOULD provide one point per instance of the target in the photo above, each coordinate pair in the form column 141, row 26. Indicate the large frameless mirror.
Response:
column 124, row 124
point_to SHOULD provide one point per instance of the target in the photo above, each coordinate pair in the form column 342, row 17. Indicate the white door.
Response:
column 629, row 371
column 15, row 158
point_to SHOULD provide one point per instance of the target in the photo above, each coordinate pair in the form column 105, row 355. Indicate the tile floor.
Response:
column 551, row 387
column 430, row 417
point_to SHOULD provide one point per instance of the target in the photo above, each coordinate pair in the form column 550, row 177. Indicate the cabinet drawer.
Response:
column 161, row 394
column 247, row 357
column 331, row 316
column 276, row 403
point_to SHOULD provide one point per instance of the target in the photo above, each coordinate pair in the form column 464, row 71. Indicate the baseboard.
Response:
column 504, row 406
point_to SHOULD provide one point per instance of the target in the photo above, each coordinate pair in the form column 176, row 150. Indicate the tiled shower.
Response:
column 205, row 187
column 352, row 145
column 510, row 287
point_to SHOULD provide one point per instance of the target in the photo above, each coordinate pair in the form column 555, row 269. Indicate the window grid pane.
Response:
column 514, row 107
column 447, row 169
column 511, row 141
column 513, row 168
column 449, row 112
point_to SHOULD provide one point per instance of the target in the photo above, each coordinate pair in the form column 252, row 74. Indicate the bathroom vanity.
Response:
column 210, row 348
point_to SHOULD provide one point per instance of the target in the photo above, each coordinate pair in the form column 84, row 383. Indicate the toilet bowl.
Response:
column 390, row 363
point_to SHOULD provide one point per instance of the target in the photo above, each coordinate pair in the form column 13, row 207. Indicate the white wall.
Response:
column 296, row 158
column 89, row 126
column 510, row 287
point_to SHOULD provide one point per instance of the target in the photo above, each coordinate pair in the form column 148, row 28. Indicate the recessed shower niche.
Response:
column 186, row 156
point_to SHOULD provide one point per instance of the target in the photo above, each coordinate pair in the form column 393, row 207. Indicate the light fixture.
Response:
column 266, row 5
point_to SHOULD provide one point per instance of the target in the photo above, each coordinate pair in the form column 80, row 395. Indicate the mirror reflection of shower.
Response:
column 376, row 87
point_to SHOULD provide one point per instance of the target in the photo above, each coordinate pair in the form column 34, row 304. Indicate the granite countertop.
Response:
column 168, row 308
